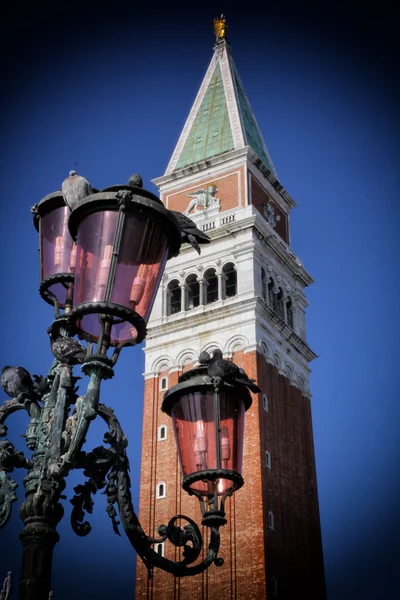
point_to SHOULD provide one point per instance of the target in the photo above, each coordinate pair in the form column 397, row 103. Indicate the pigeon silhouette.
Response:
column 135, row 180
column 15, row 381
column 225, row 370
column 204, row 358
column 65, row 349
column 190, row 234
column 74, row 189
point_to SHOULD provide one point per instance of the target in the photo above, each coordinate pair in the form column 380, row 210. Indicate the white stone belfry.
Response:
column 246, row 289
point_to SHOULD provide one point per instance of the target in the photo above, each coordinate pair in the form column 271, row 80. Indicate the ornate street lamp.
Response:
column 102, row 263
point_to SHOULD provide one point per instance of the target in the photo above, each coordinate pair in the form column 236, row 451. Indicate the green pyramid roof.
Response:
column 252, row 133
column 211, row 131
column 219, row 125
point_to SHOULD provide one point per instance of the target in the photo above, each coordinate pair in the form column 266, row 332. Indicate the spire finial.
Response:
column 220, row 28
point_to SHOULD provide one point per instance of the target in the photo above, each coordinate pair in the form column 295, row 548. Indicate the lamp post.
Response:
column 100, row 267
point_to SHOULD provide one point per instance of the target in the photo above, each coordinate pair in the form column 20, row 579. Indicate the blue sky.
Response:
column 106, row 90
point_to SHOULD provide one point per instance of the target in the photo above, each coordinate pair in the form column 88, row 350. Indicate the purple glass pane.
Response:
column 94, row 251
column 58, row 249
column 141, row 261
column 140, row 265
column 194, row 425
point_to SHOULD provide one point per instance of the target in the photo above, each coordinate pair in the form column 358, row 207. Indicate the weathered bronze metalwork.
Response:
column 60, row 417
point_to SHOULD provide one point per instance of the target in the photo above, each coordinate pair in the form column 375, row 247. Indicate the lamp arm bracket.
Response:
column 188, row 537
column 77, row 424
column 114, row 460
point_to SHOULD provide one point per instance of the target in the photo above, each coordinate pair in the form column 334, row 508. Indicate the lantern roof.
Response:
column 197, row 379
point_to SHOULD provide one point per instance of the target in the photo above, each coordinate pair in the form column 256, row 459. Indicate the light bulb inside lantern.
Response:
column 225, row 447
column 102, row 274
column 200, row 446
column 138, row 285
column 58, row 250
column 72, row 258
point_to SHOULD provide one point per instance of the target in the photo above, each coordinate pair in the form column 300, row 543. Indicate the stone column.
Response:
column 220, row 286
column 183, row 297
column 165, row 302
column 201, row 292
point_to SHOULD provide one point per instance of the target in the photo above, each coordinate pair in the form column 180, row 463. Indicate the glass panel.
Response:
column 194, row 425
column 140, row 265
column 57, row 244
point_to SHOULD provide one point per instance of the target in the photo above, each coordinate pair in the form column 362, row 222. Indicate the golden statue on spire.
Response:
column 220, row 28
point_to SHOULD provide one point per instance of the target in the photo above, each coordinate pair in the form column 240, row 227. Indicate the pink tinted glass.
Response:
column 194, row 424
column 58, row 249
column 141, row 260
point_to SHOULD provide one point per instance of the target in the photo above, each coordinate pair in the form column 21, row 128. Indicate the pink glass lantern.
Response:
column 123, row 240
column 209, row 430
column 57, row 250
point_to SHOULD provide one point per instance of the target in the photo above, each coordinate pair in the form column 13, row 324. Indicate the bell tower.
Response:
column 244, row 295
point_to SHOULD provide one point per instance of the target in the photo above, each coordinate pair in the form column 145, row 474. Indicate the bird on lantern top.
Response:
column 223, row 370
column 135, row 180
column 74, row 189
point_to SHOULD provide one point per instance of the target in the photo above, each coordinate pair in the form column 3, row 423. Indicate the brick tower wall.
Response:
column 253, row 553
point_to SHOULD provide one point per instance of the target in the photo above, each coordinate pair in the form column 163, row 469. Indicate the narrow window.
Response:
column 174, row 293
column 160, row 548
column 161, row 490
column 192, row 292
column 279, row 303
column 265, row 402
column 271, row 520
column 230, row 280
column 163, row 383
column 268, row 460
column 211, row 286
column 289, row 312
column 162, row 433
column 271, row 294
column 264, row 286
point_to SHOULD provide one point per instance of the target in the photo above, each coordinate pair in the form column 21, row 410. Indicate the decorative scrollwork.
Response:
column 181, row 536
column 82, row 502
column 96, row 465
column 7, row 497
column 10, row 458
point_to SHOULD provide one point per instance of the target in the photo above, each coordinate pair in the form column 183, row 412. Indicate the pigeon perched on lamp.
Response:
column 65, row 349
column 135, row 180
column 220, row 369
column 16, row 381
column 204, row 358
column 74, row 189
column 190, row 234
